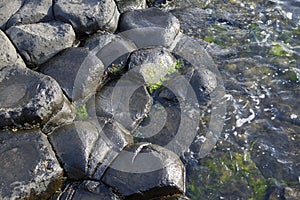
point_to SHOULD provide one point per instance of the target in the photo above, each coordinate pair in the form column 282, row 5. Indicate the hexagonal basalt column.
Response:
column 37, row 43
column 78, row 72
column 88, row 16
column 27, row 98
column 149, row 27
column 29, row 168
column 146, row 171
column 91, row 146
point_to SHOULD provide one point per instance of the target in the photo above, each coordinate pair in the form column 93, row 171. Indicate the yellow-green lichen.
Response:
column 150, row 73
column 81, row 112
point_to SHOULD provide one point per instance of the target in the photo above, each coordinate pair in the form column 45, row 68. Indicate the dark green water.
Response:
column 258, row 56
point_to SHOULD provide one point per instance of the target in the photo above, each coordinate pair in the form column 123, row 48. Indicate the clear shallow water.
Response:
column 258, row 56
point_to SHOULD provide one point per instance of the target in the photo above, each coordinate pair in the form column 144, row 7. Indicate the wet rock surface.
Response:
column 89, row 190
column 113, row 50
column 88, row 16
column 29, row 168
column 135, row 105
column 146, row 171
column 78, row 72
column 32, row 11
column 152, row 64
column 250, row 150
column 145, row 30
column 27, row 98
column 37, row 43
column 97, row 142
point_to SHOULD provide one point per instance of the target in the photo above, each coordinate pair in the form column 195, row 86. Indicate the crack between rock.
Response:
column 52, row 8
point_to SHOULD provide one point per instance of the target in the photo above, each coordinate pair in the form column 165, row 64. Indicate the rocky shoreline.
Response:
column 83, row 87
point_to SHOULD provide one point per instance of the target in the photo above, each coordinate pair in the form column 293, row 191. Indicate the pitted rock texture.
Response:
column 32, row 11
column 153, row 65
column 97, row 142
column 88, row 190
column 112, row 49
column 88, row 16
column 8, row 53
column 146, row 171
column 29, row 168
column 149, row 27
column 129, row 5
column 27, row 98
column 135, row 105
column 37, row 43
column 7, row 9
column 78, row 72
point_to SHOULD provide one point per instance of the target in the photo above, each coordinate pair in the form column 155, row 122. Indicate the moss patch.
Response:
column 81, row 112
column 230, row 174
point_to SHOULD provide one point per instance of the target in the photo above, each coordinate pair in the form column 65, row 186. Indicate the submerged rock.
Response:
column 97, row 143
column 29, row 168
column 7, row 9
column 78, row 72
column 149, row 27
column 27, row 98
column 146, row 171
column 37, row 43
column 129, row 5
column 269, row 154
column 192, row 20
column 88, row 190
column 88, row 16
column 113, row 50
column 32, row 11
column 135, row 105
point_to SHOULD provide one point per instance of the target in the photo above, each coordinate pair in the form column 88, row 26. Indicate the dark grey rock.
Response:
column 149, row 27
column 146, row 171
column 129, row 5
column 193, row 51
column 32, row 11
column 203, row 73
column 90, row 144
column 78, row 72
column 203, row 81
column 134, row 105
column 269, row 154
column 29, row 168
column 111, row 49
column 173, row 126
column 88, row 190
column 37, row 43
column 64, row 116
column 88, row 16
column 7, row 9
column 27, row 98
column 8, row 53
column 193, row 20
column 152, row 64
